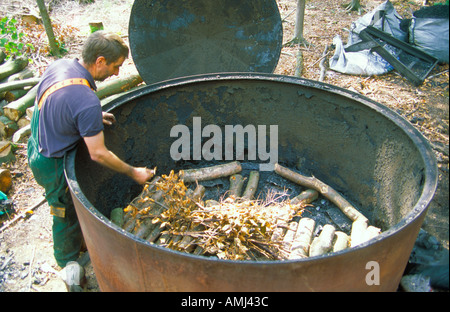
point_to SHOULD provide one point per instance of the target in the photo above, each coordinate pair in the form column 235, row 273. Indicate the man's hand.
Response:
column 99, row 153
column 108, row 118
column 142, row 174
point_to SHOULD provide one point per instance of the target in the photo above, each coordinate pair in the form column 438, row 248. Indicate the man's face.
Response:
column 104, row 70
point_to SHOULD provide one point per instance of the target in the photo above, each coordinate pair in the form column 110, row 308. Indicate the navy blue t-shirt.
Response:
column 70, row 113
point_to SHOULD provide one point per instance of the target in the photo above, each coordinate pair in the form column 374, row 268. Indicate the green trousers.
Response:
column 49, row 173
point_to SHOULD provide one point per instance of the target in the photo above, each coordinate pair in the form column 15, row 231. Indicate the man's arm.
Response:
column 99, row 153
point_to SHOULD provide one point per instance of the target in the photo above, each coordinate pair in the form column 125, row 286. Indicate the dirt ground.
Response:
column 26, row 254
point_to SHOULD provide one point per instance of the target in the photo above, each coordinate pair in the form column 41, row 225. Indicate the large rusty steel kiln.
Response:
column 362, row 149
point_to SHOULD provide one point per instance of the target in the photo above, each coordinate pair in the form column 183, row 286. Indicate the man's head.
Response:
column 103, row 54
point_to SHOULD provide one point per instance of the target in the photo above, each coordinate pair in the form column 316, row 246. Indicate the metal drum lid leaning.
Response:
column 171, row 39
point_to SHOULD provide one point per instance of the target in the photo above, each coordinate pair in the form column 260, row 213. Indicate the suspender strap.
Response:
column 60, row 85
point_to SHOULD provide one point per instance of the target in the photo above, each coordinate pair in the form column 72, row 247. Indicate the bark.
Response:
column 236, row 186
column 141, row 207
column 149, row 213
column 7, row 127
column 198, row 251
column 13, row 66
column 111, row 98
column 186, row 242
column 118, row 85
column 299, row 25
column 178, row 237
column 21, row 133
column 18, row 84
column 14, row 95
column 7, row 155
column 117, row 216
column 48, row 28
column 299, row 63
column 137, row 203
column 305, row 197
column 323, row 67
column 252, row 186
column 164, row 239
column 2, row 56
column 328, row 192
column 17, row 109
column 24, row 74
column 144, row 227
column 210, row 173
column 198, row 193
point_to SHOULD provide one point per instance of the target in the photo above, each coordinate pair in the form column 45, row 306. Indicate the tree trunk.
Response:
column 300, row 19
column 299, row 25
column 298, row 36
column 48, row 28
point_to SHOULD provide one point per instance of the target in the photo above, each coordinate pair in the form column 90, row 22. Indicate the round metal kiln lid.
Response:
column 170, row 39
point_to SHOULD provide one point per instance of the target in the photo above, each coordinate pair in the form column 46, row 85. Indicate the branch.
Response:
column 311, row 182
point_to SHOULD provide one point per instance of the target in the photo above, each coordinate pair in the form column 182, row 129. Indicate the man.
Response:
column 66, row 111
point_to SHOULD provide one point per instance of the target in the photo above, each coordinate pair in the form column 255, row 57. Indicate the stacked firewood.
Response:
column 237, row 226
column 18, row 89
column 17, row 92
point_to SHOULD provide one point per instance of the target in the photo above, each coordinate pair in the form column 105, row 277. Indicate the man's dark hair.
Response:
column 106, row 44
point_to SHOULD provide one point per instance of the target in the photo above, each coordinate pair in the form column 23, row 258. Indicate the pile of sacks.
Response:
column 427, row 30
